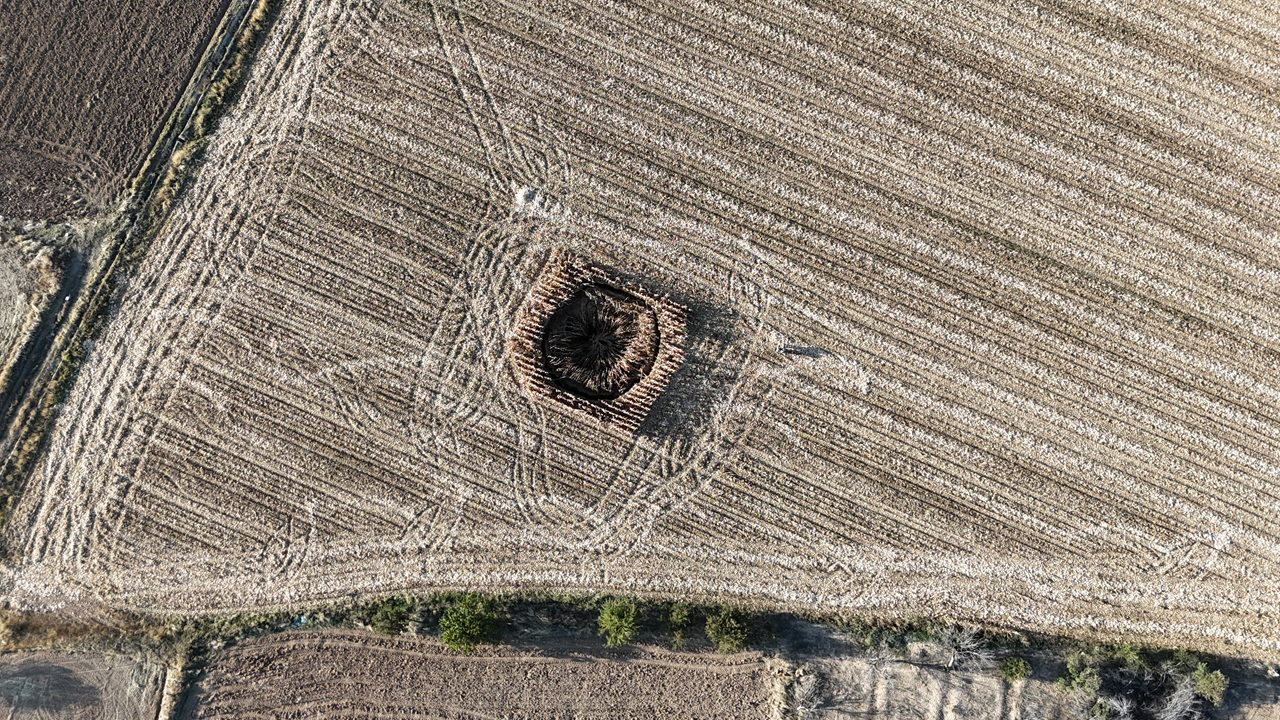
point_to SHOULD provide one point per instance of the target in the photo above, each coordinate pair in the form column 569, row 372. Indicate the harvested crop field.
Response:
column 58, row 686
column 359, row 675
column 84, row 88
column 979, row 308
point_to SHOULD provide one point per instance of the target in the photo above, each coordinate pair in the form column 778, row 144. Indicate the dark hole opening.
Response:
column 600, row 342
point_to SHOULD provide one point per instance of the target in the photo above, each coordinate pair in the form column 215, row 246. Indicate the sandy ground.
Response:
column 982, row 319
column 360, row 675
column 55, row 686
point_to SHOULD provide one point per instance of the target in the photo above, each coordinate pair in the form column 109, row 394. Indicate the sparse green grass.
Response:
column 391, row 615
column 677, row 623
column 1081, row 676
column 1129, row 656
column 1209, row 685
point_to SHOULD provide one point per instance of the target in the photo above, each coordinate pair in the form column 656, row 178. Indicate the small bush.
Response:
column 1129, row 656
column 727, row 631
column 466, row 623
column 390, row 616
column 1081, row 676
column 1180, row 704
column 678, row 622
column 1014, row 669
column 1183, row 662
column 1209, row 685
column 618, row 622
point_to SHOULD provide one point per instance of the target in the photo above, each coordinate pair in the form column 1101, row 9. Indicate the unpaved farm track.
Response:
column 84, row 88
column 1021, row 257
column 359, row 675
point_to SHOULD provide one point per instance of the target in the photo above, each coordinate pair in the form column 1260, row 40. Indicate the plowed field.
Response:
column 359, row 675
column 84, row 88
column 981, row 305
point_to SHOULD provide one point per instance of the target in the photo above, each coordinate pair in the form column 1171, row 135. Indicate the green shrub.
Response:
column 467, row 622
column 1129, row 656
column 678, row 622
column 1209, row 685
column 617, row 622
column 1014, row 669
column 1081, row 676
column 1184, row 662
column 390, row 616
column 727, row 631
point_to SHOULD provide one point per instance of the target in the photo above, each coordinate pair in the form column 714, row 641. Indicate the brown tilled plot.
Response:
column 84, row 87
column 360, row 675
column 980, row 311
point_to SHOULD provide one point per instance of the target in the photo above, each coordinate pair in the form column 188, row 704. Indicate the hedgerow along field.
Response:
column 85, row 86
column 978, row 316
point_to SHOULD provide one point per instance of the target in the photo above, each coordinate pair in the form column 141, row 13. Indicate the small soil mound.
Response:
column 600, row 342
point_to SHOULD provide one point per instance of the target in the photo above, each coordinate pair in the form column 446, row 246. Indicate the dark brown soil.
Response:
column 84, row 87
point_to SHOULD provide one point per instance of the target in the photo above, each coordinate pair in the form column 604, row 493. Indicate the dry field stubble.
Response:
column 981, row 318
column 359, row 675
column 84, row 87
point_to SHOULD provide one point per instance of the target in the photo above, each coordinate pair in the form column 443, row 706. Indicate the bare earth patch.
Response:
column 360, row 675
column 981, row 319
column 56, row 686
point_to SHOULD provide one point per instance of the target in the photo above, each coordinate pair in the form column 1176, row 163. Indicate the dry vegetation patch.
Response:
column 981, row 319
column 30, row 273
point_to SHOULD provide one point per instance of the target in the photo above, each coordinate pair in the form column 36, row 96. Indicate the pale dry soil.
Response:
column 1022, row 258
column 41, row 685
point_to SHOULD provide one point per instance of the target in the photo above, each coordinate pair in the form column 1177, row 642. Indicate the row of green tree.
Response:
column 470, row 619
